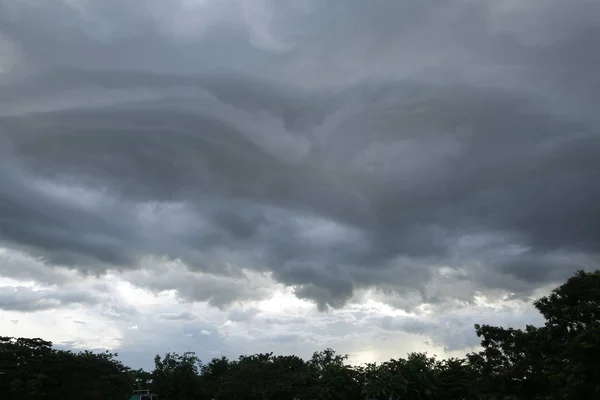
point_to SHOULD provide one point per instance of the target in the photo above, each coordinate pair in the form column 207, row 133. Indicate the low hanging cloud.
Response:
column 26, row 299
column 331, row 148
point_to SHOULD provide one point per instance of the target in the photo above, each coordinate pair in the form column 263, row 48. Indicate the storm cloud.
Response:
column 425, row 150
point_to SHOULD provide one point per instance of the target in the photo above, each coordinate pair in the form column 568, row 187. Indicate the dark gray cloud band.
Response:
column 342, row 147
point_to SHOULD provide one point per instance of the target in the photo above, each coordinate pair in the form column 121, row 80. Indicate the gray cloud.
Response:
column 27, row 300
column 454, row 330
column 220, row 290
column 331, row 147
column 242, row 315
column 182, row 316
column 20, row 266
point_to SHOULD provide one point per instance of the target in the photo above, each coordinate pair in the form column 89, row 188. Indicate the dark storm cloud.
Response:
column 350, row 145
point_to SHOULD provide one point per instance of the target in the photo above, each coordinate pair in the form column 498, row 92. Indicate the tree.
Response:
column 457, row 380
column 573, row 306
column 330, row 378
column 213, row 377
column 572, row 313
column 176, row 376
column 556, row 361
column 418, row 374
column 34, row 370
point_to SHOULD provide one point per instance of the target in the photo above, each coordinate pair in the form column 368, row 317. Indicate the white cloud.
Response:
column 139, row 323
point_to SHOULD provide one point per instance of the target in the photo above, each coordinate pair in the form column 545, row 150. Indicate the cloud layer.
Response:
column 426, row 152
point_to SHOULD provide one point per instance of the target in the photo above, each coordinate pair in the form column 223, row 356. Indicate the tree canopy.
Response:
column 559, row 360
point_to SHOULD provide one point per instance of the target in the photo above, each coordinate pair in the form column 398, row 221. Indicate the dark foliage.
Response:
column 560, row 360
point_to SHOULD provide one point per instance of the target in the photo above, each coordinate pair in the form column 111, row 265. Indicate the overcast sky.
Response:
column 236, row 176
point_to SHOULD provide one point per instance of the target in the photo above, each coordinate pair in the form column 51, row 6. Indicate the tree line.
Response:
column 559, row 360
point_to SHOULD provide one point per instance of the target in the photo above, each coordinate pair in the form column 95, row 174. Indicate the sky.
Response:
column 231, row 177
